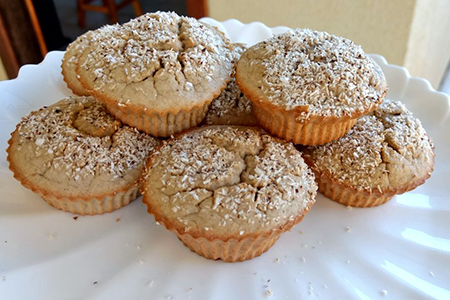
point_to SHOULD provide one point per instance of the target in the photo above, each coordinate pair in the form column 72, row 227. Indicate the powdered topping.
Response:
column 77, row 47
column 164, row 52
column 231, row 107
column 113, row 149
column 236, row 51
column 85, row 40
column 229, row 179
column 323, row 74
column 385, row 149
column 74, row 52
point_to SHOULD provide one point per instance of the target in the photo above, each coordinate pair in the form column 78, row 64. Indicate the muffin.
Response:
column 228, row 192
column 231, row 107
column 386, row 153
column 73, row 53
column 309, row 87
column 79, row 158
column 158, row 72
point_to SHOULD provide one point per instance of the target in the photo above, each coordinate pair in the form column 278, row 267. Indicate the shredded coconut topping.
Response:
column 100, row 146
column 76, row 48
column 74, row 52
column 231, row 107
column 385, row 149
column 230, row 103
column 163, row 52
column 229, row 179
column 326, row 74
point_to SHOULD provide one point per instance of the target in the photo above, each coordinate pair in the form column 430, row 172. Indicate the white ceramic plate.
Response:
column 400, row 250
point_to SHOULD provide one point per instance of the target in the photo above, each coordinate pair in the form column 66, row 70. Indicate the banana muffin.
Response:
column 308, row 86
column 228, row 192
column 386, row 153
column 78, row 157
column 231, row 107
column 73, row 53
column 158, row 72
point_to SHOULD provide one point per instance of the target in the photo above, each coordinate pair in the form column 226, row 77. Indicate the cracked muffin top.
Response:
column 231, row 107
column 158, row 62
column 386, row 150
column 313, row 72
column 74, row 52
column 74, row 148
column 227, row 181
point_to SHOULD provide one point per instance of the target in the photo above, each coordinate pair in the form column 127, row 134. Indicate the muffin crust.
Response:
column 231, row 107
column 227, row 182
column 74, row 52
column 158, row 62
column 387, row 152
column 312, row 72
column 74, row 150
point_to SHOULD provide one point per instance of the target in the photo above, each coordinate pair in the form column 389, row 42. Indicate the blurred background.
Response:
column 411, row 33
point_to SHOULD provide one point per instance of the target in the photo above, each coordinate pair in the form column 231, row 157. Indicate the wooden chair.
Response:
column 109, row 7
column 21, row 38
column 197, row 8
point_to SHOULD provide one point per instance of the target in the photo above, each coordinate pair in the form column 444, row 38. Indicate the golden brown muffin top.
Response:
column 383, row 151
column 231, row 107
column 158, row 61
column 227, row 181
column 75, row 147
column 325, row 74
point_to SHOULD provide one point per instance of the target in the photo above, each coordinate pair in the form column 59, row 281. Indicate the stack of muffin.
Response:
column 228, row 189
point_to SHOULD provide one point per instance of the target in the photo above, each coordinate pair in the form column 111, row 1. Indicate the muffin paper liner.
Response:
column 159, row 125
column 317, row 130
